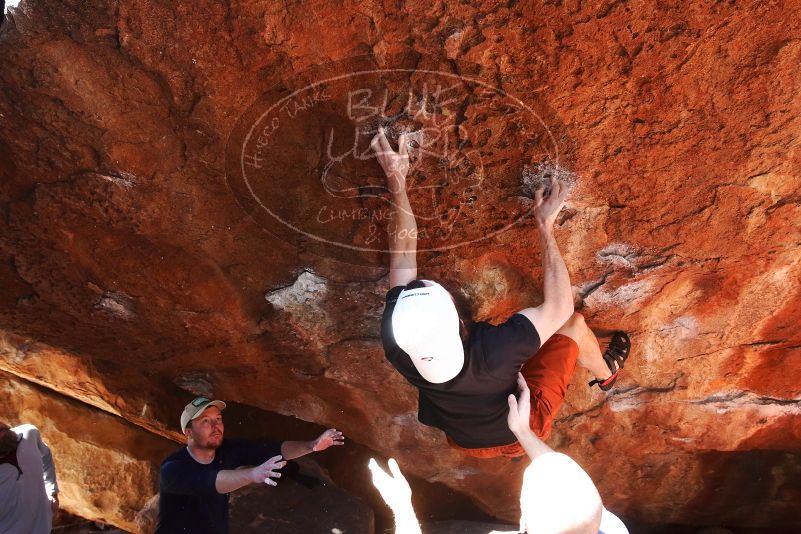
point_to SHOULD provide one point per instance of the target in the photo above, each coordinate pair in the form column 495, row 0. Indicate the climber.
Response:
column 196, row 480
column 28, row 486
column 557, row 496
column 464, row 373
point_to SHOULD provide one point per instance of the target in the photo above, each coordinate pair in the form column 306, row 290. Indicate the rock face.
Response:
column 186, row 205
column 107, row 469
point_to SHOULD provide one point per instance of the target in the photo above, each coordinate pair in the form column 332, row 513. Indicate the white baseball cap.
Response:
column 194, row 409
column 425, row 324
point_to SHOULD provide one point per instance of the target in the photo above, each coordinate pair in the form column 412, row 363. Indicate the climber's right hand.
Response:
column 547, row 207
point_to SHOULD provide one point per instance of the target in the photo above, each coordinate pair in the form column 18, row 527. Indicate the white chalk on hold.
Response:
column 539, row 175
column 336, row 531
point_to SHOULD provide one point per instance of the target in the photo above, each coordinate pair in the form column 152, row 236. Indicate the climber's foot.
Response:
column 615, row 357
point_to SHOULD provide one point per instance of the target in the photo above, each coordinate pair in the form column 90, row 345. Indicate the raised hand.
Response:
column 393, row 487
column 519, row 409
column 546, row 208
column 330, row 437
column 267, row 471
column 395, row 165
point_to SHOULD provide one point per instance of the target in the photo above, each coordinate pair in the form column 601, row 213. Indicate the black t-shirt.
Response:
column 188, row 501
column 471, row 408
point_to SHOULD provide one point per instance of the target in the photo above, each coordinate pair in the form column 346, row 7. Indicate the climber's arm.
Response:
column 402, row 229
column 557, row 305
column 402, row 240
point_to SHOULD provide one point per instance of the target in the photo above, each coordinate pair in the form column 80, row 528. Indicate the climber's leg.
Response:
column 604, row 366
column 548, row 374
column 589, row 356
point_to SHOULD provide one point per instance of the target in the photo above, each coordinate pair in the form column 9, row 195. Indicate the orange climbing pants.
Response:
column 547, row 374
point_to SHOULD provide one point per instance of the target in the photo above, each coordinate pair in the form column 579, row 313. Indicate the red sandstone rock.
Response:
column 133, row 249
column 107, row 468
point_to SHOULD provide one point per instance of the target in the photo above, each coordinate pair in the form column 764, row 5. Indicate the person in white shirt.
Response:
column 557, row 497
column 28, row 486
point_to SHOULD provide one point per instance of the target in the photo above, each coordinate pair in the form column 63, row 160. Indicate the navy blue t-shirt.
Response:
column 188, row 501
column 471, row 408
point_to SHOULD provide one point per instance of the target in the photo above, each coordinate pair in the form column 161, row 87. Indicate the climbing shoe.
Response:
column 615, row 357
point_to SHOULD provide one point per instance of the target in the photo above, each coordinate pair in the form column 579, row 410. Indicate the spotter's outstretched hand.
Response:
column 267, row 471
column 393, row 487
column 330, row 437
column 519, row 409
